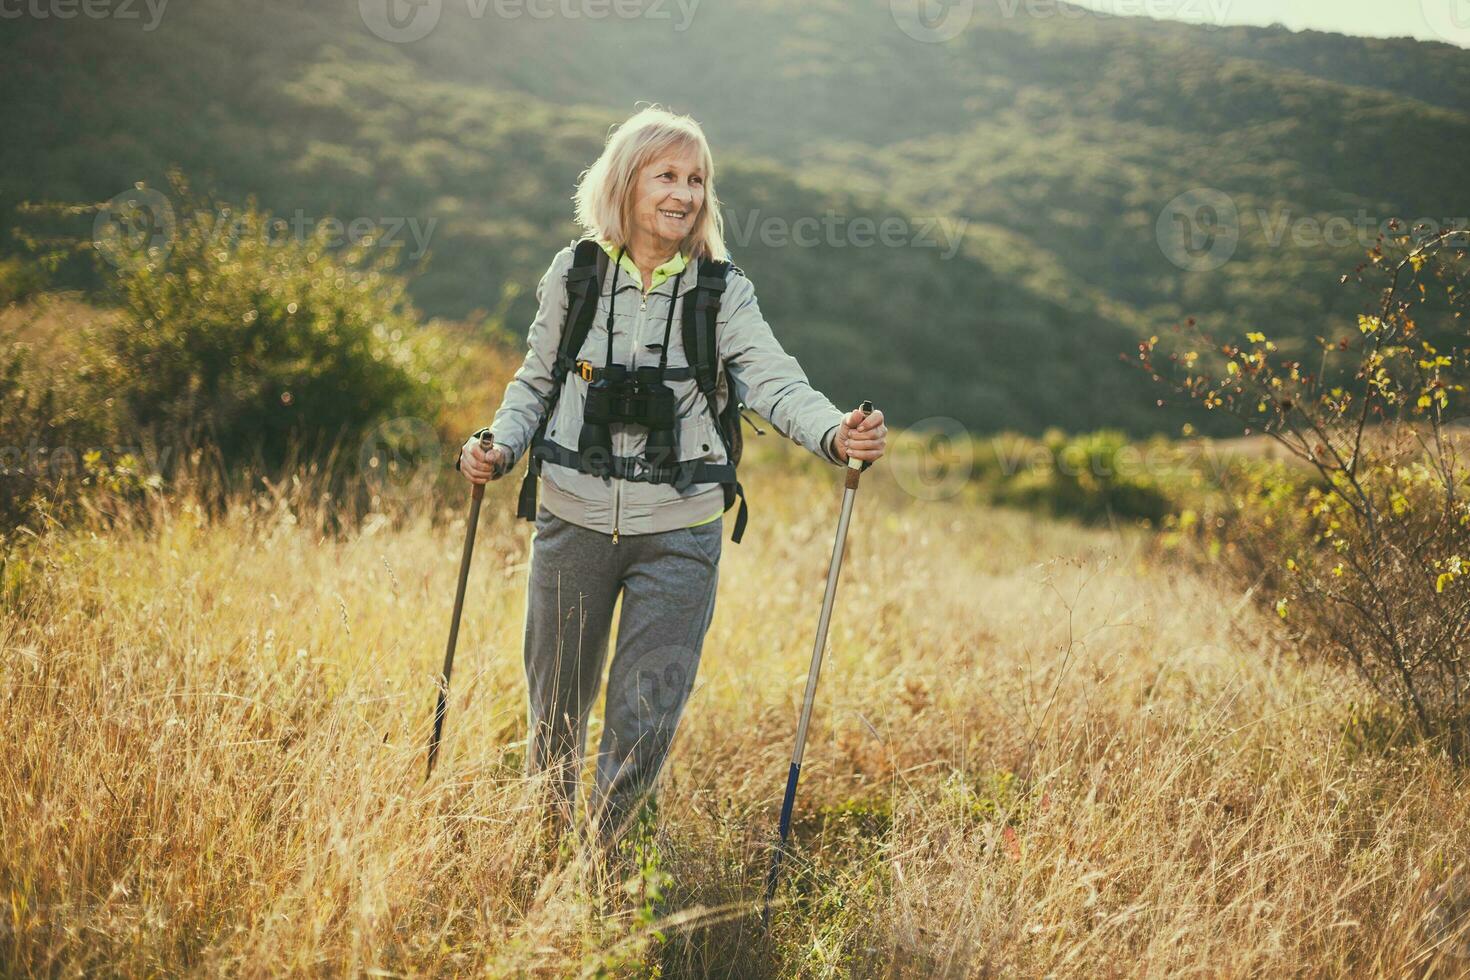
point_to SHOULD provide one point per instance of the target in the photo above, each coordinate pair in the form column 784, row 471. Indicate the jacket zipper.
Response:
column 618, row 484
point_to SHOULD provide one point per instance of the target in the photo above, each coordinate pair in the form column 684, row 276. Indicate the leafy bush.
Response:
column 1094, row 476
column 263, row 344
column 238, row 346
column 1371, row 561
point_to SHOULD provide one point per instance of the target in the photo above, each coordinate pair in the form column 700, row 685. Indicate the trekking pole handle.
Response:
column 487, row 443
column 856, row 466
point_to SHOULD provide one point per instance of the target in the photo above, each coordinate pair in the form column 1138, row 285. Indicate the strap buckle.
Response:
column 585, row 368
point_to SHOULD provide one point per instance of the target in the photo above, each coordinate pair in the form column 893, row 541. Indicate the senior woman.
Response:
column 604, row 526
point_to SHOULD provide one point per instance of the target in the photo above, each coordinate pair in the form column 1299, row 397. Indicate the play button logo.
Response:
column 1449, row 19
column 1199, row 230
column 400, row 21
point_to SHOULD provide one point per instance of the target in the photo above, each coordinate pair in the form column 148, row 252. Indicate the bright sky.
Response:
column 1429, row 20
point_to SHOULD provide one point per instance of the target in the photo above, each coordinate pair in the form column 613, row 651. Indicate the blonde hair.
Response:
column 605, row 190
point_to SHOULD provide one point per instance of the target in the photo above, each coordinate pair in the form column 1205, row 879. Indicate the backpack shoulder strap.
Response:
column 584, row 285
column 700, row 316
column 701, row 349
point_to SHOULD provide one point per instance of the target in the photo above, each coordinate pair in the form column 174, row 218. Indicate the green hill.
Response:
column 1035, row 152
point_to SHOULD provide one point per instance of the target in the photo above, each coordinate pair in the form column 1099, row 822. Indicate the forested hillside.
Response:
column 1029, row 161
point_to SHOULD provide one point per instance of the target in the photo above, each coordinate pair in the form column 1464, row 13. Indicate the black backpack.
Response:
column 701, row 308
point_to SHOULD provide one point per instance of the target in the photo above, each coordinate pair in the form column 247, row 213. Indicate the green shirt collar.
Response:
column 662, row 274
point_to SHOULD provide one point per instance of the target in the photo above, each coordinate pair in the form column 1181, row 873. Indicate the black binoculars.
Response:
column 639, row 399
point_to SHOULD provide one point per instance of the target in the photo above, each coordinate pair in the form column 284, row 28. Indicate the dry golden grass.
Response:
column 1037, row 751
column 52, row 324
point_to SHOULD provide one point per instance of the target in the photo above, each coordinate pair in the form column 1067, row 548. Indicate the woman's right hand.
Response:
column 477, row 465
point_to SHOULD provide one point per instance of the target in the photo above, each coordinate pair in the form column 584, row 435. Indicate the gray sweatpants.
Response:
column 667, row 581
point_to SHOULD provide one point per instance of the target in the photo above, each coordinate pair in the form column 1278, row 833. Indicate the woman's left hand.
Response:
column 861, row 438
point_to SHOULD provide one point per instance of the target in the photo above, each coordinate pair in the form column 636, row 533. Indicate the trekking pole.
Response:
column 477, row 494
column 854, row 472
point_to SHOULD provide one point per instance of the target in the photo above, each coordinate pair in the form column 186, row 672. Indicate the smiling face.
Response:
column 668, row 197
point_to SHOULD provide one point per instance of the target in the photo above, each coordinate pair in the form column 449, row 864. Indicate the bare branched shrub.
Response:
column 1367, row 552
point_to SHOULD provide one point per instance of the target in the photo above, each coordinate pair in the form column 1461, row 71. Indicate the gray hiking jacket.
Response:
column 766, row 378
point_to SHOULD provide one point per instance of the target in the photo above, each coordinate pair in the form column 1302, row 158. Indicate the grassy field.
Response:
column 1039, row 750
